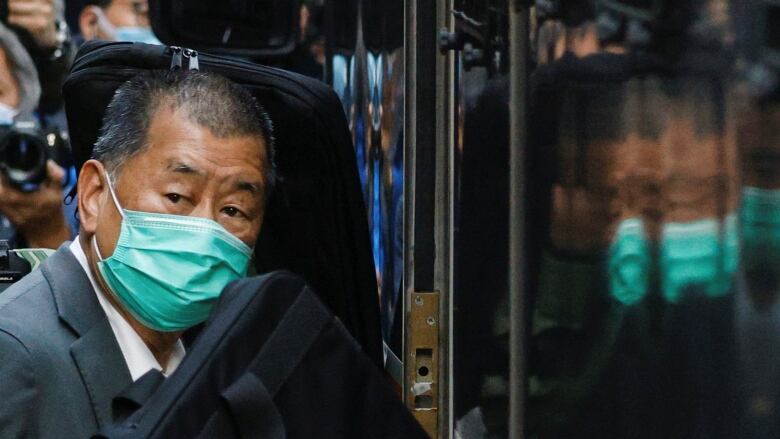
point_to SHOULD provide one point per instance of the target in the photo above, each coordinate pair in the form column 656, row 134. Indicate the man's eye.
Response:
column 173, row 198
column 231, row 211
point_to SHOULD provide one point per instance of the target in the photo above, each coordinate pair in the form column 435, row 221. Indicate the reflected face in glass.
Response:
column 583, row 213
column 759, row 142
column 693, row 183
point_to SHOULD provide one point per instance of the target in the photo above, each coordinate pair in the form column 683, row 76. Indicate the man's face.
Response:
column 184, row 170
column 133, row 13
column 9, row 87
column 101, row 23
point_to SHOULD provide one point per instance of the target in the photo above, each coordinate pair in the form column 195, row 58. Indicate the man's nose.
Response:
column 204, row 209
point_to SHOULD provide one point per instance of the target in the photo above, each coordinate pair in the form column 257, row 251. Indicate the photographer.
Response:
column 36, row 218
column 41, row 28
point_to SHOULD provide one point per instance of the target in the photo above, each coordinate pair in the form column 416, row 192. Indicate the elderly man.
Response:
column 170, row 207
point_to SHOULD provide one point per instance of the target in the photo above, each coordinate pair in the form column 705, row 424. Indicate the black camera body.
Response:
column 24, row 150
column 12, row 266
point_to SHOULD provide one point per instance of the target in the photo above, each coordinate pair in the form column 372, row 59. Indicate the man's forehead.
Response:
column 171, row 124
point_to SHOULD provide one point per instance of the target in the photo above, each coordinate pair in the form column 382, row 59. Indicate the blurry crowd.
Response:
column 38, row 42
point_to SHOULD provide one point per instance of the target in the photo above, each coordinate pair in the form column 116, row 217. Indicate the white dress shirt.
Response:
column 137, row 355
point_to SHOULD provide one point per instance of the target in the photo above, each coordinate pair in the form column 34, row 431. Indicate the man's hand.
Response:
column 37, row 17
column 38, row 216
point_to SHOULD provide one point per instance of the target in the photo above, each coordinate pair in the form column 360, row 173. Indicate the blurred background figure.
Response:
column 116, row 20
column 41, row 28
column 32, row 216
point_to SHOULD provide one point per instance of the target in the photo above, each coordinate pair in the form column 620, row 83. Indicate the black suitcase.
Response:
column 316, row 223
column 272, row 362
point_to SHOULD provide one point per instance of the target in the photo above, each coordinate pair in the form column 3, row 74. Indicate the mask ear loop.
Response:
column 118, row 208
column 95, row 248
column 113, row 196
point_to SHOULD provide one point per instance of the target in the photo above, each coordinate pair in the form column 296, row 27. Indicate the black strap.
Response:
column 135, row 395
column 290, row 341
column 250, row 398
column 253, row 409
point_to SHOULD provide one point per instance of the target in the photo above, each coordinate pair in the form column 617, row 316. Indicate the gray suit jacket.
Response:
column 60, row 364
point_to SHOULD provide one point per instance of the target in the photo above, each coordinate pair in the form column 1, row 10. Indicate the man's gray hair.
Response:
column 209, row 100
column 23, row 70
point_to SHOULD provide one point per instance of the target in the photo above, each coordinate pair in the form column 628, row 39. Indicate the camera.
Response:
column 24, row 150
column 12, row 266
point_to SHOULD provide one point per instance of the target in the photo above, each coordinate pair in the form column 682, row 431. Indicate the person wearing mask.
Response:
column 116, row 20
column 170, row 206
column 38, row 218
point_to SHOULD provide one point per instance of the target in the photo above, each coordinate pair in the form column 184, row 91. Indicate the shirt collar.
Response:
column 137, row 355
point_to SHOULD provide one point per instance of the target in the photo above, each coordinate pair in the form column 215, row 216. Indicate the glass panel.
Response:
column 480, row 318
column 366, row 69
column 655, row 265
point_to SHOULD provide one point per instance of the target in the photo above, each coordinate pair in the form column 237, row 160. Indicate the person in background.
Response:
column 42, row 30
column 116, row 20
column 38, row 218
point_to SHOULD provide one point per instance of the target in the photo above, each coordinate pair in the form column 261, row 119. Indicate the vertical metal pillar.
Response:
column 428, row 214
column 518, row 60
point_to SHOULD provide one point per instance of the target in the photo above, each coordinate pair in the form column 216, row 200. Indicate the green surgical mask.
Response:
column 169, row 270
column 694, row 255
column 629, row 262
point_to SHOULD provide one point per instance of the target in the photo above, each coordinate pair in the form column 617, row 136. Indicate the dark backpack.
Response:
column 272, row 362
column 315, row 224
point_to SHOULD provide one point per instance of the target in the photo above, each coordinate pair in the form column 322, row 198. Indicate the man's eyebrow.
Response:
column 248, row 186
column 184, row 168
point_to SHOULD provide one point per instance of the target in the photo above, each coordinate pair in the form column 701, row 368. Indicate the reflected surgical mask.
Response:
column 628, row 262
column 136, row 34
column 169, row 270
column 693, row 255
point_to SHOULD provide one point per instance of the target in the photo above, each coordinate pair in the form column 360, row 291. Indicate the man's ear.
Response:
column 89, row 22
column 91, row 194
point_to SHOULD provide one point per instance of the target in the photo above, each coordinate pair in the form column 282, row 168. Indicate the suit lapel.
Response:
column 102, row 368
column 95, row 351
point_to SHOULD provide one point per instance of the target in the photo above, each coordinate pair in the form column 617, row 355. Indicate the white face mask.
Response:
column 135, row 34
column 7, row 114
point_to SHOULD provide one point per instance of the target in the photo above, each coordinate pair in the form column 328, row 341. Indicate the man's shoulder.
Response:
column 27, row 303
column 31, row 288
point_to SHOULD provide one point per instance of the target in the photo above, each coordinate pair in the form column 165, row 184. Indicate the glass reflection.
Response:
column 480, row 318
column 657, row 187
column 366, row 71
column 757, row 311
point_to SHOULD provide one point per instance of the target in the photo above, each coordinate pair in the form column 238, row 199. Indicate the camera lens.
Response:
column 24, row 160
